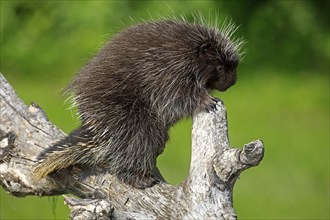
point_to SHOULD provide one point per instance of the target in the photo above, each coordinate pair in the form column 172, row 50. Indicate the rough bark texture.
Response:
column 205, row 194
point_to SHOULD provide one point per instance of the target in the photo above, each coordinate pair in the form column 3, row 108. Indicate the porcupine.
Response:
column 145, row 79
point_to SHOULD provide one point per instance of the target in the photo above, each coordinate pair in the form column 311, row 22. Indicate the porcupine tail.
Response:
column 69, row 151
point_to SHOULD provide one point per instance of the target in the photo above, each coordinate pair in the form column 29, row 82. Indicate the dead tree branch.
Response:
column 205, row 194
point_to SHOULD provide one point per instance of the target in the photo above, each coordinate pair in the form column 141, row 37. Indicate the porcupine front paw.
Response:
column 210, row 104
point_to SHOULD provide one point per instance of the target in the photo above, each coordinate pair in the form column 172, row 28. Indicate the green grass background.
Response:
column 284, row 101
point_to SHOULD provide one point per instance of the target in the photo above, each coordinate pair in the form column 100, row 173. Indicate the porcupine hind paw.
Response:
column 140, row 182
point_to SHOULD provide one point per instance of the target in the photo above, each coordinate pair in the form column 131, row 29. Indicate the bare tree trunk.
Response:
column 206, row 193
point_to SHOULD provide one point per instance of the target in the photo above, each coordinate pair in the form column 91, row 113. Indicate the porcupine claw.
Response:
column 147, row 182
column 212, row 107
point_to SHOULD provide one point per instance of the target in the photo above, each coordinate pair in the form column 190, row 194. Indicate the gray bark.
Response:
column 205, row 194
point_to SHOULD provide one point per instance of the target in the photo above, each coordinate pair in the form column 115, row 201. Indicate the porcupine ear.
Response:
column 205, row 50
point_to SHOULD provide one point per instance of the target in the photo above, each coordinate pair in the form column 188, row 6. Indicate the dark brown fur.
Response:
column 143, row 81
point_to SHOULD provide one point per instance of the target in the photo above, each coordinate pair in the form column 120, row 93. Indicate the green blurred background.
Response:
column 282, row 94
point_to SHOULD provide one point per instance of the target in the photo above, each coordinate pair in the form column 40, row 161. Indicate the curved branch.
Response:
column 206, row 193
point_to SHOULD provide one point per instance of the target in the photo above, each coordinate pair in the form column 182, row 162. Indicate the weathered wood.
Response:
column 205, row 194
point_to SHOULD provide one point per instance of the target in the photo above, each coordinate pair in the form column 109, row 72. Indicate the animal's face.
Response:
column 223, row 76
column 220, row 66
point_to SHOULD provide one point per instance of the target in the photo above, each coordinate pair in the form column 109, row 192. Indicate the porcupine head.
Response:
column 140, row 83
